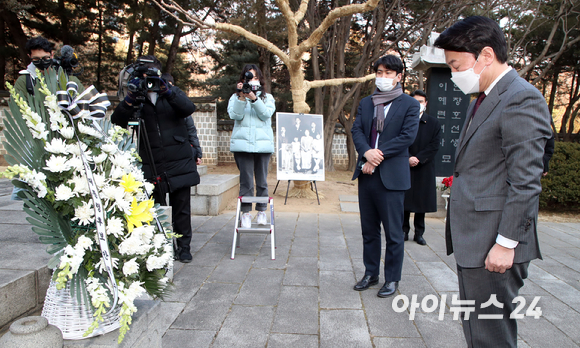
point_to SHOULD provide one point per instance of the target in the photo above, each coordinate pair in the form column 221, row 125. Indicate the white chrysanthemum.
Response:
column 138, row 174
column 57, row 146
column 122, row 202
column 163, row 281
column 76, row 150
column 123, row 160
column 89, row 130
column 101, row 265
column 115, row 226
column 37, row 180
column 145, row 233
column 81, row 185
column 168, row 248
column 67, row 132
column 73, row 257
column 108, row 192
column 100, row 180
column 100, row 158
column 63, row 193
column 154, row 262
column 76, row 163
column 57, row 164
column 135, row 290
column 84, row 242
column 116, row 173
column 85, row 214
column 131, row 246
column 131, row 267
column 109, row 148
column 158, row 240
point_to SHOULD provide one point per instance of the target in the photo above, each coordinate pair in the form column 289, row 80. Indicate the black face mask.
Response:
column 43, row 64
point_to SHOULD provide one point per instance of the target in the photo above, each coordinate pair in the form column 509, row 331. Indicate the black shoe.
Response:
column 388, row 289
column 366, row 282
column 185, row 256
column 420, row 240
column 406, row 238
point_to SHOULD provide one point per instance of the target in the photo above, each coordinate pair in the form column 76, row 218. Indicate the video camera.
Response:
column 247, row 87
column 151, row 83
column 68, row 60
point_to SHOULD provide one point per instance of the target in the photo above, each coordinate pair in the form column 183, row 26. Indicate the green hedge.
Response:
column 561, row 187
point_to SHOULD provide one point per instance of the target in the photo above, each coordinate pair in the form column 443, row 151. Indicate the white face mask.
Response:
column 384, row 84
column 255, row 85
column 468, row 80
column 422, row 108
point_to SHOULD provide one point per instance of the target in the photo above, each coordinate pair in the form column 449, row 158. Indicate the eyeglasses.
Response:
column 43, row 59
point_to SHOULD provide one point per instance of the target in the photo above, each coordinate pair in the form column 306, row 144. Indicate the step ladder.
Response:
column 256, row 229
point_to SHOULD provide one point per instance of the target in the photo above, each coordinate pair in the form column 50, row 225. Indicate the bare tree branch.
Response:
column 331, row 18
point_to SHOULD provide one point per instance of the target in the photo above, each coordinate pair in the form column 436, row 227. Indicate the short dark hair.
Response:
column 473, row 34
column 156, row 63
column 390, row 62
column 419, row 93
column 38, row 43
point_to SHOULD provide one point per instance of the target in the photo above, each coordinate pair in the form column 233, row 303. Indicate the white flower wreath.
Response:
column 52, row 148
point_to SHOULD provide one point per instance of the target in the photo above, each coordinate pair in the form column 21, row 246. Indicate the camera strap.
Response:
column 29, row 84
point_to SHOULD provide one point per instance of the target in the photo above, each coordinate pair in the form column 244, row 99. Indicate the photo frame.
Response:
column 299, row 146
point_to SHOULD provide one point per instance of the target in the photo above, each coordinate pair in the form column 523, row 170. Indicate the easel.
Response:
column 288, row 188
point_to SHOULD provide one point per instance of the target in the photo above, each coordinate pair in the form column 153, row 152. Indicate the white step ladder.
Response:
column 256, row 229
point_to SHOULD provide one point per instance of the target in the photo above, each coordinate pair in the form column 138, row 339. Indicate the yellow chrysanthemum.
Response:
column 129, row 183
column 140, row 213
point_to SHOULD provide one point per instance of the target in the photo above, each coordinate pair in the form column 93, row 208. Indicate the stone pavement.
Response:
column 304, row 298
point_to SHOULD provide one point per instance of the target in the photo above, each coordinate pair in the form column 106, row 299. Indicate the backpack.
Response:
column 124, row 77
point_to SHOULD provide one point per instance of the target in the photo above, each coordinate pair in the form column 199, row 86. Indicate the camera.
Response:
column 247, row 87
column 151, row 82
column 67, row 61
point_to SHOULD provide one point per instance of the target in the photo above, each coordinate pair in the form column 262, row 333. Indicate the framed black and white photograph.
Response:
column 300, row 147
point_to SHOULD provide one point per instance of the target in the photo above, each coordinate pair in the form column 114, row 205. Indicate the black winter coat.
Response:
column 422, row 197
column 168, row 136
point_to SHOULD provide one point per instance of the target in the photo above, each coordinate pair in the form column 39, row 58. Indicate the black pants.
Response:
column 381, row 206
column 250, row 165
column 180, row 201
column 479, row 284
column 418, row 221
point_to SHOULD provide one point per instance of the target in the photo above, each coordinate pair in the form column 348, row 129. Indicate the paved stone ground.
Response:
column 304, row 298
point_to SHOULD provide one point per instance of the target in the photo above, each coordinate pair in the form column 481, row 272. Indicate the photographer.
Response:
column 40, row 52
column 163, row 109
column 191, row 129
column 252, row 140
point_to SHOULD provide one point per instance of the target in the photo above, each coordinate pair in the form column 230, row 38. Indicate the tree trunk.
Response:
column 17, row 34
column 265, row 54
column 172, row 55
column 63, row 21
column 297, row 87
column 154, row 33
column 129, row 57
column 100, row 43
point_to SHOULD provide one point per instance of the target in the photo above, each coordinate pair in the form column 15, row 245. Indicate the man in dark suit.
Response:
column 421, row 198
column 385, row 126
column 493, row 208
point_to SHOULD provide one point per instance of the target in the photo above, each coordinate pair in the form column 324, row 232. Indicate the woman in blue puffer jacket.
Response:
column 252, row 140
